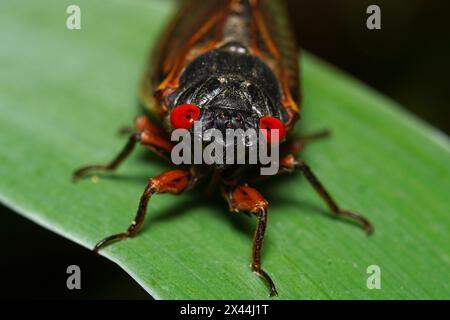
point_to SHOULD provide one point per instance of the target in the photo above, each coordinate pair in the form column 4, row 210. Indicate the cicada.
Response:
column 228, row 64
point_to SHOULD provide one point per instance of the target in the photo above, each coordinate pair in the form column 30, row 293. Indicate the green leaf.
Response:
column 64, row 94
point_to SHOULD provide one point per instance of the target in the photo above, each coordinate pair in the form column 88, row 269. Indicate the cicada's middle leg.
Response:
column 173, row 181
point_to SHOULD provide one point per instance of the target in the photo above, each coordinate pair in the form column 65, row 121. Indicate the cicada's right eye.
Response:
column 184, row 116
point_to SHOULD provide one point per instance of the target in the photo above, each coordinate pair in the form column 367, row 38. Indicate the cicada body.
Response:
column 236, row 60
column 227, row 64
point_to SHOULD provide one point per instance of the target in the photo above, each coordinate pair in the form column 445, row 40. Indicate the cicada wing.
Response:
column 188, row 34
column 275, row 17
column 274, row 42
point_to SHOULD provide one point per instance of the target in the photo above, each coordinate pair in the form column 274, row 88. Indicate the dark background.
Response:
column 408, row 60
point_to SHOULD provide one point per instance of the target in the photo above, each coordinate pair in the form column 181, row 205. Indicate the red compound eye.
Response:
column 271, row 123
column 184, row 116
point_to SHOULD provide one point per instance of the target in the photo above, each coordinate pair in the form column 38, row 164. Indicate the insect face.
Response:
column 228, row 90
column 236, row 109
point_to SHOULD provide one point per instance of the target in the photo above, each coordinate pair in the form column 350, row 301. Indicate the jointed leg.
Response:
column 247, row 199
column 174, row 182
column 148, row 135
column 289, row 163
column 295, row 146
column 292, row 146
column 126, row 151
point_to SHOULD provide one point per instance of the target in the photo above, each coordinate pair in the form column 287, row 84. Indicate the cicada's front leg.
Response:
column 147, row 134
column 248, row 200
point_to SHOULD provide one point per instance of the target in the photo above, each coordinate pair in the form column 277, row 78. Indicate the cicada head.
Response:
column 227, row 92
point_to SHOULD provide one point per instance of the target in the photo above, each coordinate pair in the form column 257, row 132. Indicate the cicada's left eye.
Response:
column 266, row 124
column 184, row 116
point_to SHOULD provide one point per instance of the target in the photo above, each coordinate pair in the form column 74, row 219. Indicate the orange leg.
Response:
column 291, row 147
column 174, row 182
column 289, row 163
column 148, row 135
column 154, row 137
column 172, row 79
column 248, row 200
column 143, row 123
